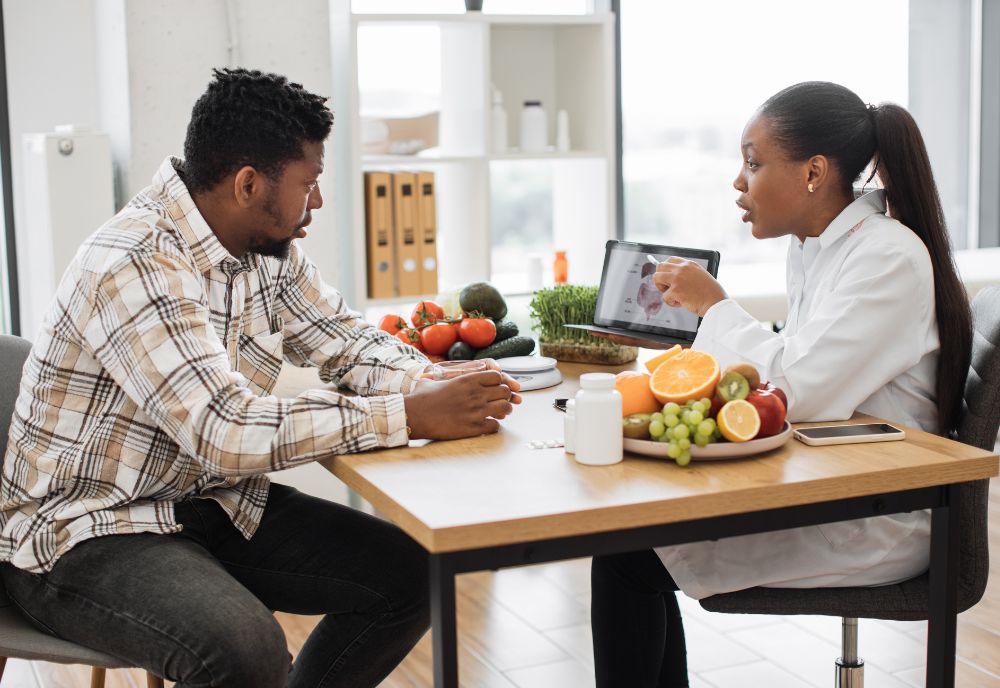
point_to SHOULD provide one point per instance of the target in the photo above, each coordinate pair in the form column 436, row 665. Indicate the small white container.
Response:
column 569, row 427
column 562, row 131
column 498, row 125
column 536, row 272
column 534, row 127
column 598, row 420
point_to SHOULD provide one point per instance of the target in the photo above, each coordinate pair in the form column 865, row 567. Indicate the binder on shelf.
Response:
column 378, row 231
column 427, row 232
column 404, row 213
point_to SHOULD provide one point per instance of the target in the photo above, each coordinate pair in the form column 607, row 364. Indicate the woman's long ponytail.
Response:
column 904, row 167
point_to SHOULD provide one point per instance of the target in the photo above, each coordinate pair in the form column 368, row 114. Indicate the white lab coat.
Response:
column 861, row 335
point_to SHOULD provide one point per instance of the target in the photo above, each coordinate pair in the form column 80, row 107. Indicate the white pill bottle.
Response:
column 598, row 420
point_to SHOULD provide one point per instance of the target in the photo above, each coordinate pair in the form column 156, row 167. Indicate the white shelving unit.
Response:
column 567, row 62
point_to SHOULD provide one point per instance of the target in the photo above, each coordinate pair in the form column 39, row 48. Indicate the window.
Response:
column 454, row 6
column 692, row 74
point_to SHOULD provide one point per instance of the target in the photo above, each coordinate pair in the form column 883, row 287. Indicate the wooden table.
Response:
column 491, row 502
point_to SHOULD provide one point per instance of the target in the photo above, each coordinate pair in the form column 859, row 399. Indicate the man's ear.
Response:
column 249, row 186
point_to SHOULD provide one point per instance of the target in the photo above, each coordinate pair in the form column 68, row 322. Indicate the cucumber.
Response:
column 505, row 330
column 514, row 346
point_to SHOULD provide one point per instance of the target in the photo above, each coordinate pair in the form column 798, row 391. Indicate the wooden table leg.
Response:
column 444, row 633
column 942, row 616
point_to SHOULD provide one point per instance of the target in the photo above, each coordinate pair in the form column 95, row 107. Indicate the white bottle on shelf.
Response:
column 499, row 123
column 534, row 127
column 562, row 131
column 598, row 420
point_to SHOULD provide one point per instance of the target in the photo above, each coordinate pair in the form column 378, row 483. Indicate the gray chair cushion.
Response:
column 908, row 601
column 18, row 638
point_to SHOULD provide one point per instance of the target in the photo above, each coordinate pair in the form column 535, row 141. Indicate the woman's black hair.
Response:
column 820, row 118
column 247, row 117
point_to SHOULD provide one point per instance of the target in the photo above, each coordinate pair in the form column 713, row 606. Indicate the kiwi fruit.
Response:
column 748, row 371
column 733, row 386
column 636, row 426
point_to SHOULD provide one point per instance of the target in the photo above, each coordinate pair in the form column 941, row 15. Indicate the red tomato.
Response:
column 411, row 337
column 391, row 323
column 477, row 332
column 436, row 358
column 426, row 313
column 438, row 338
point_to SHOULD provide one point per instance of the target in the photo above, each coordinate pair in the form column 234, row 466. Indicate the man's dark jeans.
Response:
column 195, row 607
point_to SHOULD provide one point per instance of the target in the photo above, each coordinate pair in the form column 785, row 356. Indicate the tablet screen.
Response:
column 629, row 299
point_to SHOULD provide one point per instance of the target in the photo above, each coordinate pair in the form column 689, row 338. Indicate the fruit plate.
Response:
column 719, row 450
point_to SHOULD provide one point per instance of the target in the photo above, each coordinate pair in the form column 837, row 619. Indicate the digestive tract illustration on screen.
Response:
column 648, row 297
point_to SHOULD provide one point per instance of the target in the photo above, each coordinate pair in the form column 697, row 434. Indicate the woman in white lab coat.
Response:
column 868, row 295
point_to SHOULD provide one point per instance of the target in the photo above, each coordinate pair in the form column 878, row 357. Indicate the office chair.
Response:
column 908, row 601
column 18, row 638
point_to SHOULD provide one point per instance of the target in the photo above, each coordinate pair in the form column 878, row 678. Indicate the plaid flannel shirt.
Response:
column 150, row 382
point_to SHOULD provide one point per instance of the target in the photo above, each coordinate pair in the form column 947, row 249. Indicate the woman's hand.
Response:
column 687, row 284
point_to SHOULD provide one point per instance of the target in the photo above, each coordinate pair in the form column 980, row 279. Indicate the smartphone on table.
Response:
column 849, row 434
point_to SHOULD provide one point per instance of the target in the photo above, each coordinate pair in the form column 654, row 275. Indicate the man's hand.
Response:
column 514, row 385
column 464, row 406
column 687, row 284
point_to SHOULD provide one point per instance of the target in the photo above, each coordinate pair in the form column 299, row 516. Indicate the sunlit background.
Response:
column 691, row 75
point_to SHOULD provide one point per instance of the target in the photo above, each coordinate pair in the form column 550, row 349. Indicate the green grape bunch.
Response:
column 681, row 426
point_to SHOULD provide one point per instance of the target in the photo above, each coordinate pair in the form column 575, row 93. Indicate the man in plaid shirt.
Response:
column 135, row 513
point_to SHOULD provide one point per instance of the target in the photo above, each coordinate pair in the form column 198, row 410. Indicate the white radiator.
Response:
column 68, row 193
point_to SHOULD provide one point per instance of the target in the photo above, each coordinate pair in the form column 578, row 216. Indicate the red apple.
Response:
column 771, row 410
column 717, row 403
column 769, row 387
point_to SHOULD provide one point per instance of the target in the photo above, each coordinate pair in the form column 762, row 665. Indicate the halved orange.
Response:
column 654, row 363
column 738, row 421
column 687, row 374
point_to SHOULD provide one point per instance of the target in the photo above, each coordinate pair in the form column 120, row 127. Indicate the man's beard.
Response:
column 274, row 248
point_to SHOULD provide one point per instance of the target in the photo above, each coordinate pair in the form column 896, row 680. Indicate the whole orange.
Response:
column 636, row 395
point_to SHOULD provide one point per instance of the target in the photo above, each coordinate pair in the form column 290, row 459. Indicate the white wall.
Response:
column 134, row 68
column 51, row 79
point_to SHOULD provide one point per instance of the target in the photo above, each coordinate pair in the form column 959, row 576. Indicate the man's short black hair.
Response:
column 248, row 117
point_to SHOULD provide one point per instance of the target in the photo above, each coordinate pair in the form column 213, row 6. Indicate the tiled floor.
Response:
column 529, row 628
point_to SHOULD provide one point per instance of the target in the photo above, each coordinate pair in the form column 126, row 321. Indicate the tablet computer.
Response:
column 630, row 305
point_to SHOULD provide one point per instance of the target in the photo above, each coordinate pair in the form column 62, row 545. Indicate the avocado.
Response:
column 483, row 297
column 460, row 351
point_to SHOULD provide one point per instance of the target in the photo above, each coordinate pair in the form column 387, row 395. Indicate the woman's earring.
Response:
column 810, row 187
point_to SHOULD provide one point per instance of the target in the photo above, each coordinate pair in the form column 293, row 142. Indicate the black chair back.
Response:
column 13, row 354
column 978, row 426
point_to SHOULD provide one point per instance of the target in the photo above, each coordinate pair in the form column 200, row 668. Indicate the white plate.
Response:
column 719, row 450
column 526, row 364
